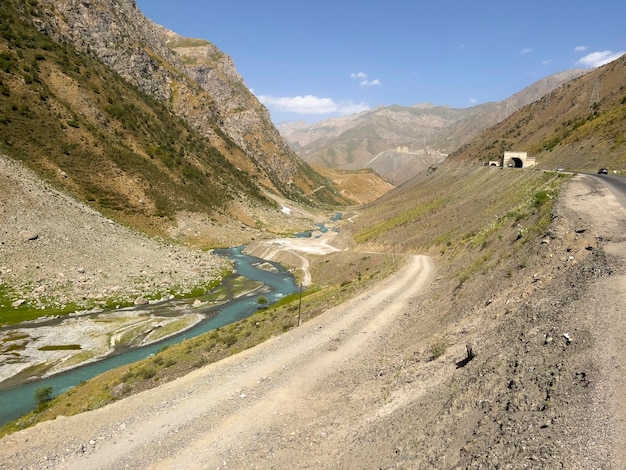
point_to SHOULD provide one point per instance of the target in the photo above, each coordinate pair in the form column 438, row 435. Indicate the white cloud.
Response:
column 376, row 82
column 364, row 81
column 580, row 48
column 525, row 51
column 473, row 100
column 546, row 61
column 597, row 59
column 310, row 104
column 360, row 75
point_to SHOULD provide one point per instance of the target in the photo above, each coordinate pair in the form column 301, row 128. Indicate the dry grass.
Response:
column 359, row 186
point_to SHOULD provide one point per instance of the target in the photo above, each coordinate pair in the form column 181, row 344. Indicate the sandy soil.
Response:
column 295, row 251
column 358, row 387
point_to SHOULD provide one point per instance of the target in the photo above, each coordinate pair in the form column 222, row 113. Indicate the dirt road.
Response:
column 235, row 413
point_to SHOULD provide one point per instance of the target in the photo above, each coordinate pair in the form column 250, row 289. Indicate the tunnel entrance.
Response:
column 515, row 163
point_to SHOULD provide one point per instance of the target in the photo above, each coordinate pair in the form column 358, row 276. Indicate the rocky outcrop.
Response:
column 118, row 34
column 240, row 112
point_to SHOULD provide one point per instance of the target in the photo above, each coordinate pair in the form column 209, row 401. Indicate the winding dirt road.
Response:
column 239, row 412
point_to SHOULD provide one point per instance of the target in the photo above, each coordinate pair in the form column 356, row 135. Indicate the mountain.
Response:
column 398, row 142
column 578, row 126
column 145, row 125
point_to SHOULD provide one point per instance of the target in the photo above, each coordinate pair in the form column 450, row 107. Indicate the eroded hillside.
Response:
column 358, row 186
column 126, row 140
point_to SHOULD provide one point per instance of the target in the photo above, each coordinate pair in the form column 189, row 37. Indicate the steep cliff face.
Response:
column 118, row 34
column 196, row 80
column 241, row 116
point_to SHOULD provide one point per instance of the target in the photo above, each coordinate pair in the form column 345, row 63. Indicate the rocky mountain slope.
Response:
column 398, row 141
column 95, row 100
column 198, row 81
column 58, row 255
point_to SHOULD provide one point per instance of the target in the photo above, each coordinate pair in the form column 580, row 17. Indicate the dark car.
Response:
column 603, row 171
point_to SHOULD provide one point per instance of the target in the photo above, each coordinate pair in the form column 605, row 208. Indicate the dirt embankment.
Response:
column 55, row 251
column 359, row 387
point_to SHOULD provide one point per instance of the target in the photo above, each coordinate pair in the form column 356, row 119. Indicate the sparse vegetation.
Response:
column 408, row 216
column 438, row 346
column 482, row 213
column 262, row 301
column 43, row 395
column 61, row 347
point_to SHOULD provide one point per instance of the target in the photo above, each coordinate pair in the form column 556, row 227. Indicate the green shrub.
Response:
column 541, row 198
column 262, row 301
column 146, row 372
column 43, row 395
column 438, row 346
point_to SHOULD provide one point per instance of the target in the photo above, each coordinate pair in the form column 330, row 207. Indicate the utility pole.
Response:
column 300, row 307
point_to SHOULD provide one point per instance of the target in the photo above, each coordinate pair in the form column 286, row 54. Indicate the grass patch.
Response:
column 438, row 346
column 61, row 347
column 396, row 220
column 25, row 312
column 213, row 292
column 188, row 42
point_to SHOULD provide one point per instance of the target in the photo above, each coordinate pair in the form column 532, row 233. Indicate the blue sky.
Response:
column 313, row 60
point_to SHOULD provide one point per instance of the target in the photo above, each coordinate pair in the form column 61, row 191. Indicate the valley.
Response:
column 450, row 314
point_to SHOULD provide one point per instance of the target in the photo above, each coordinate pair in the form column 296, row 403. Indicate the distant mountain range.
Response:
column 399, row 142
